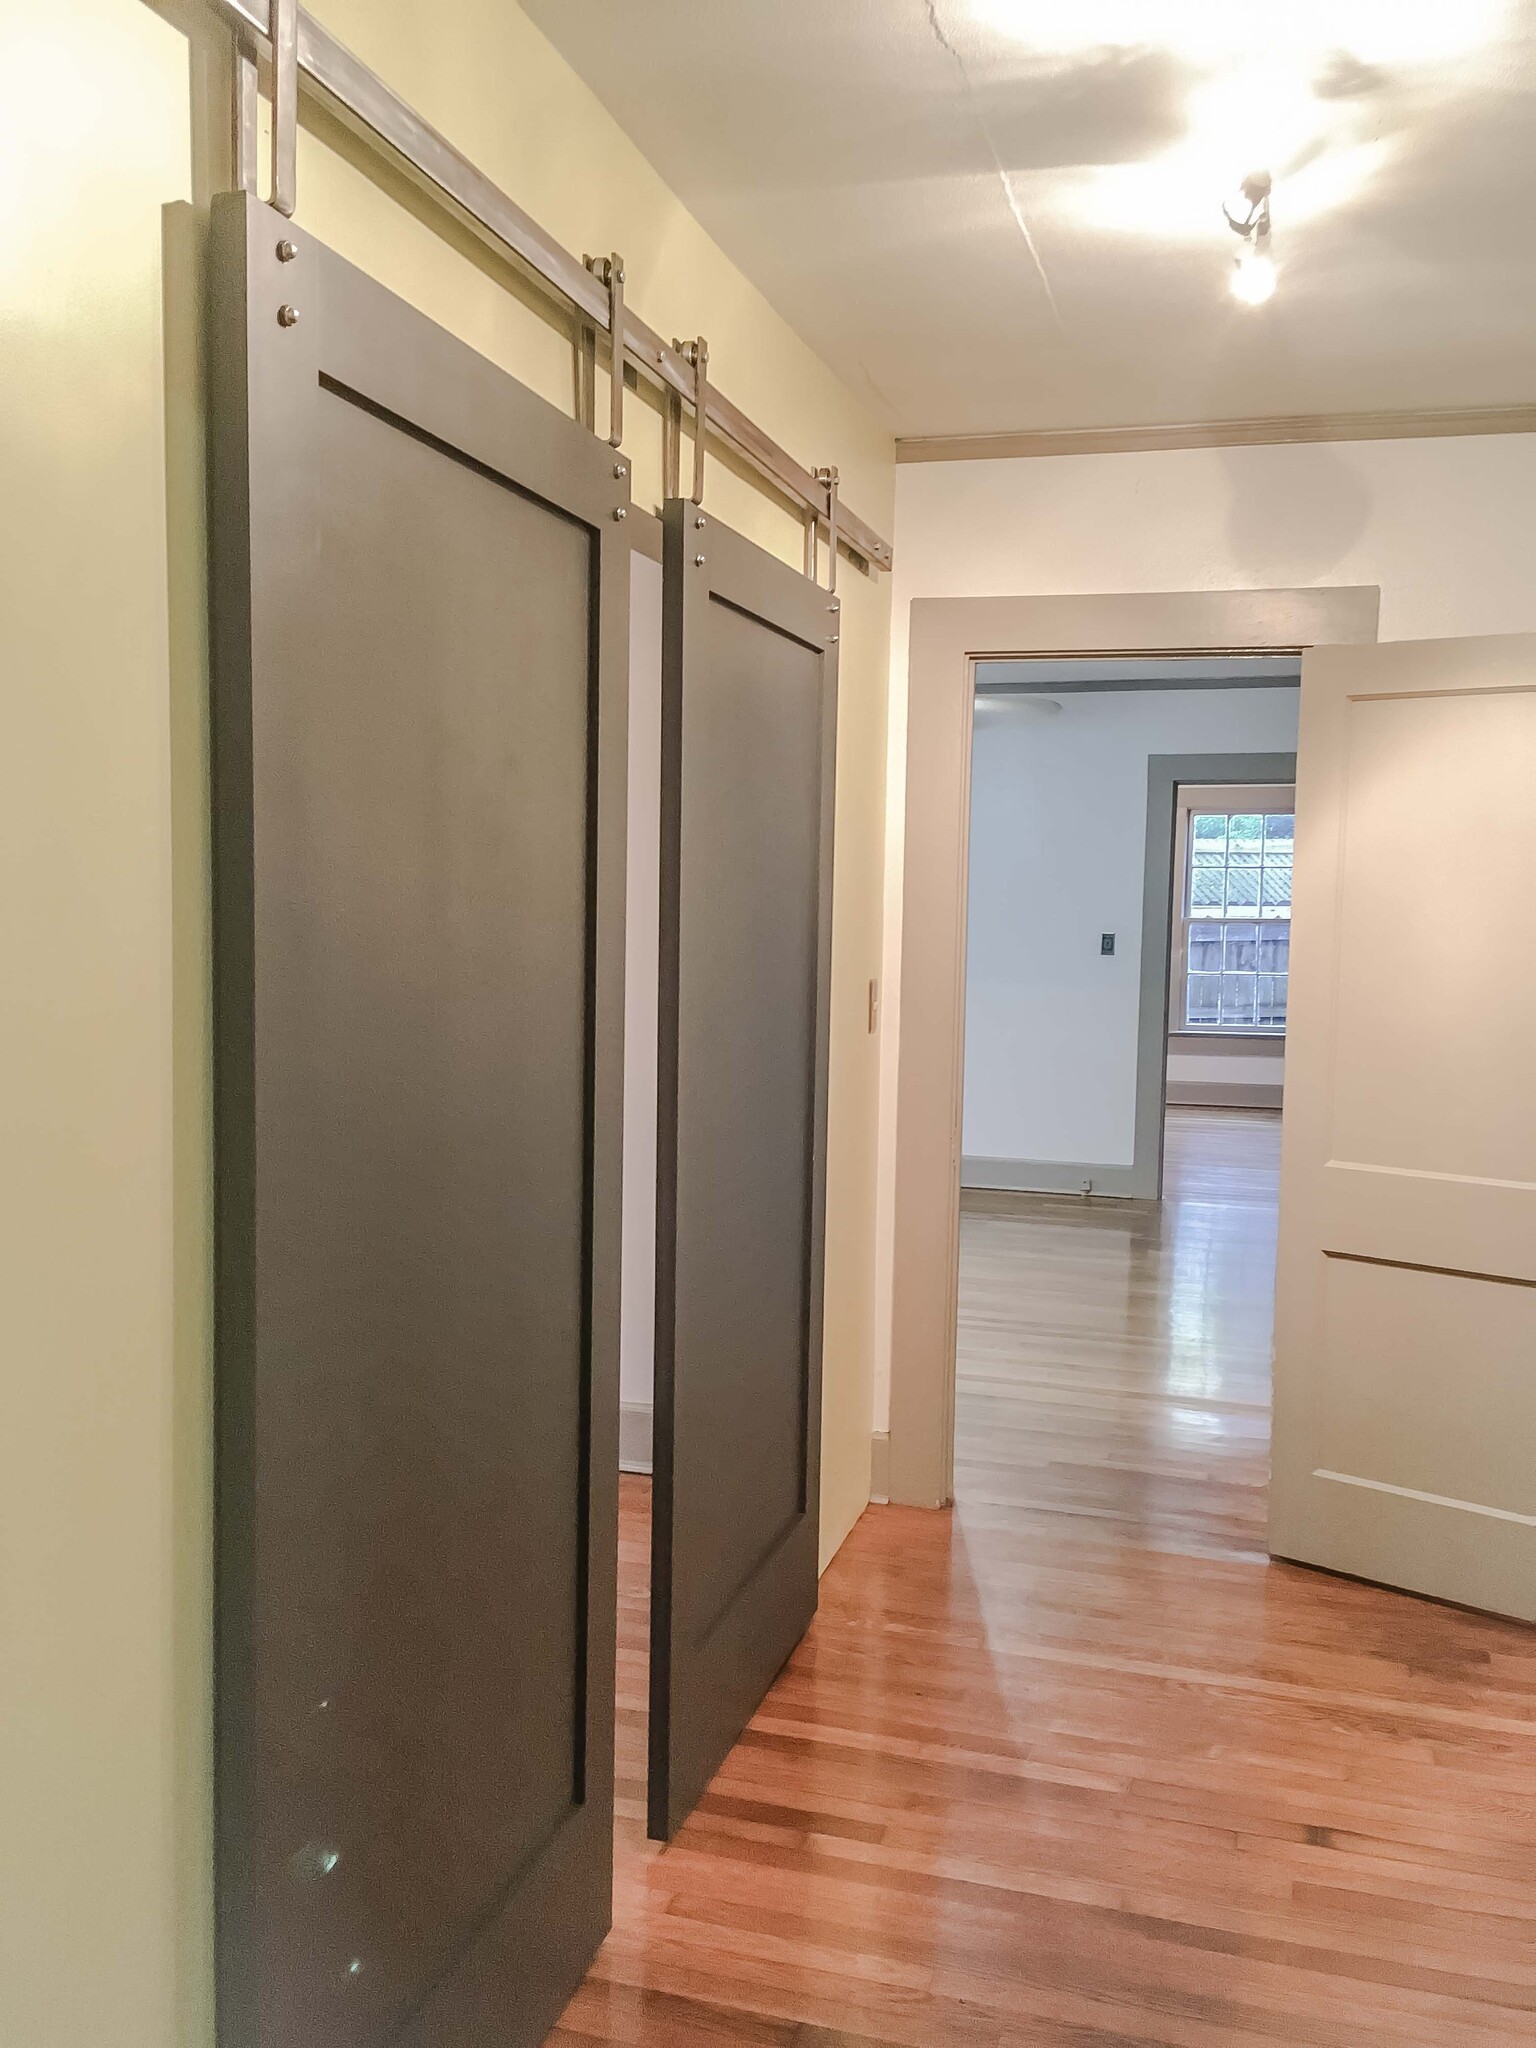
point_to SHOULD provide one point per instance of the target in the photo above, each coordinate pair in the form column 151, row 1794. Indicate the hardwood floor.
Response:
column 1074, row 1764
column 1114, row 1356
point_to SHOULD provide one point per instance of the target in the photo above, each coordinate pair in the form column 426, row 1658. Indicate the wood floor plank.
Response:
column 1074, row 1765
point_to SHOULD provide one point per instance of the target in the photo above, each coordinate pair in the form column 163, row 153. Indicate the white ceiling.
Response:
column 996, row 215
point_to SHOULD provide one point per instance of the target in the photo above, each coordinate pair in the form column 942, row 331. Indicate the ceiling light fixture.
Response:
column 995, row 699
column 1248, row 114
column 1253, row 274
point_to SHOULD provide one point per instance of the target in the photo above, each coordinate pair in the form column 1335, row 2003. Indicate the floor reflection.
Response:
column 1075, row 1766
column 1114, row 1356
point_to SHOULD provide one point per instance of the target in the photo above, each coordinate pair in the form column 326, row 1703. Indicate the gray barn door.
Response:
column 420, row 602
column 749, row 715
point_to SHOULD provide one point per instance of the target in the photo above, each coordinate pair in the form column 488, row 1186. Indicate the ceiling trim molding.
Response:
column 1257, row 433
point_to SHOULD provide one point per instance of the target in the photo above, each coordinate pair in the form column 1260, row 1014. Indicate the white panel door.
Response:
column 1405, row 1333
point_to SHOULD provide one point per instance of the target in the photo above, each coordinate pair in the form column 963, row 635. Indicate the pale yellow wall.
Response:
column 110, row 112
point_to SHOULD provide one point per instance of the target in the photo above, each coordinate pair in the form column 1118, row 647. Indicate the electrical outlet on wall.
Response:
column 1106, row 942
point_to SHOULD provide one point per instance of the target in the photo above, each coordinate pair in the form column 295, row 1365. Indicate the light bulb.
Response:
column 1253, row 275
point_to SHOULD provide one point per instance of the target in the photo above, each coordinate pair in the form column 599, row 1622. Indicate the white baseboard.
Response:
column 880, row 1467
column 1054, row 1177
column 1226, row 1094
column 635, row 1436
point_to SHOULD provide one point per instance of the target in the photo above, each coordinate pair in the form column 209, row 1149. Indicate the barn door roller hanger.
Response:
column 300, row 47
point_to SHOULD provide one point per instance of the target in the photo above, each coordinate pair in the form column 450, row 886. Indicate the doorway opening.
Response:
column 949, row 640
column 1132, row 831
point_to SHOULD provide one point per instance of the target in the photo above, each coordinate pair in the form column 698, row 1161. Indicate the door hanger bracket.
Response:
column 285, row 105
column 696, row 355
column 610, row 270
column 827, row 478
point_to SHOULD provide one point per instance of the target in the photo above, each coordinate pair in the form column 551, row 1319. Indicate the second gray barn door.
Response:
column 749, row 719
column 419, row 763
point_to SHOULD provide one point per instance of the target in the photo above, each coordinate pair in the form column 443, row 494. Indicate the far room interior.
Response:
column 1115, row 946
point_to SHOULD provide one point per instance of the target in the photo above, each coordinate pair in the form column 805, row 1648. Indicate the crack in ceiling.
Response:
column 1003, row 177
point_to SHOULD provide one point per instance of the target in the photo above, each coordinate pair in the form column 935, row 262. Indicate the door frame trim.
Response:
column 1166, row 775
column 948, row 637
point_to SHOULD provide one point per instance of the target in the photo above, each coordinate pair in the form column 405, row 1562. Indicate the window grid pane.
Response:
column 1239, row 993
column 1243, row 887
column 1240, row 863
column 1238, row 939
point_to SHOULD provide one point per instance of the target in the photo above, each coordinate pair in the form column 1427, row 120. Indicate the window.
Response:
column 1237, row 918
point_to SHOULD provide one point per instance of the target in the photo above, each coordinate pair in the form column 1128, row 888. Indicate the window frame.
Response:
column 1269, row 797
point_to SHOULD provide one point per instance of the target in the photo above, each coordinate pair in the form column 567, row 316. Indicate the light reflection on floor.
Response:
column 1114, row 1357
column 1075, row 1764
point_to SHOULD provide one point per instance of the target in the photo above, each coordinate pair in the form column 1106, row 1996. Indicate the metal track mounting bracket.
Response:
column 827, row 477
column 610, row 269
column 696, row 354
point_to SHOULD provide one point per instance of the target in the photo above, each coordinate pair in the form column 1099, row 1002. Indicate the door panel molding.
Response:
column 1433, row 1500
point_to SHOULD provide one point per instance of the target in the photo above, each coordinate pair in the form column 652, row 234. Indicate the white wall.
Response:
column 1444, row 527
column 1058, row 856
